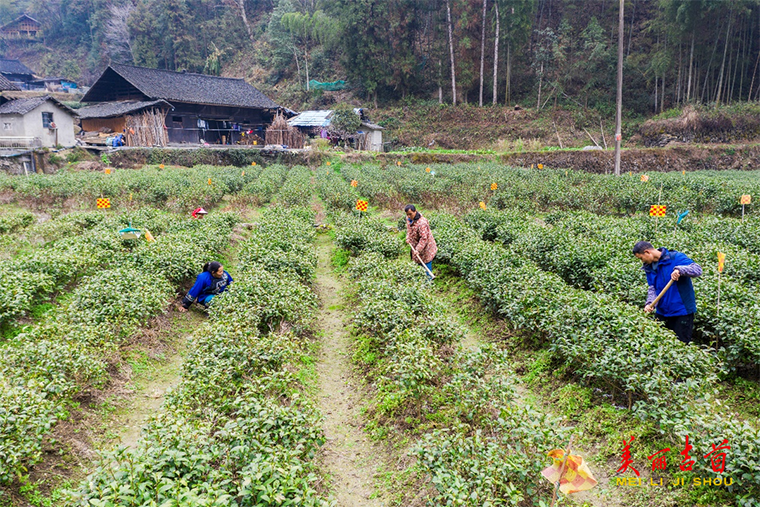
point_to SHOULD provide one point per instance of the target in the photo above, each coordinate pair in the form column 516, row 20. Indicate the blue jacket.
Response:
column 680, row 298
column 206, row 285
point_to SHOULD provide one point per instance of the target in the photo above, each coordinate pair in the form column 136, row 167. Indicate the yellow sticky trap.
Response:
column 494, row 186
column 327, row 163
column 130, row 196
column 540, row 166
column 482, row 205
column 644, row 177
column 683, row 172
column 243, row 174
column 148, row 236
column 398, row 163
column 427, row 169
column 160, row 166
column 209, row 181
column 253, row 163
column 531, row 166
column 107, row 170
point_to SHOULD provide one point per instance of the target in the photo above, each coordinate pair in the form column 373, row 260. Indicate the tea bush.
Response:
column 239, row 429
column 366, row 234
column 13, row 222
column 476, row 431
column 68, row 350
column 610, row 344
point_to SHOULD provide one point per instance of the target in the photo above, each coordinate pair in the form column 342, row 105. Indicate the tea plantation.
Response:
column 532, row 334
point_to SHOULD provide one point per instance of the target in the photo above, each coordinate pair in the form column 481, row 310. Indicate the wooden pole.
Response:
column 662, row 293
column 421, row 262
column 562, row 470
column 657, row 217
column 619, row 115
column 589, row 135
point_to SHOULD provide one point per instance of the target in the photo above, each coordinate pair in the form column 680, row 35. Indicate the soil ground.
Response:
column 348, row 455
column 115, row 416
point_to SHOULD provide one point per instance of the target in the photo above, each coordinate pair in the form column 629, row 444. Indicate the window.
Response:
column 177, row 119
column 7, row 126
column 47, row 120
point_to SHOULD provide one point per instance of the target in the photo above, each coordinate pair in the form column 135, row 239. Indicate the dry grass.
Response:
column 518, row 145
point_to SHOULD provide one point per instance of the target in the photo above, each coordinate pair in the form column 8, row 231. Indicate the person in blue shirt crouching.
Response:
column 213, row 281
column 677, row 307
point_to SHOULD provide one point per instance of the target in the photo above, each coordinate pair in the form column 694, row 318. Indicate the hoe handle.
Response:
column 657, row 299
column 420, row 259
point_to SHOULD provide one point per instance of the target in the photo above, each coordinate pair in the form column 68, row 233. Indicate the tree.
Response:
column 240, row 6
column 482, row 53
column 451, row 53
column 117, row 32
column 344, row 122
column 307, row 29
column 214, row 61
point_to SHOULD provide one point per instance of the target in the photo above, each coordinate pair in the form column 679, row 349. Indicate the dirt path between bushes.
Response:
column 348, row 455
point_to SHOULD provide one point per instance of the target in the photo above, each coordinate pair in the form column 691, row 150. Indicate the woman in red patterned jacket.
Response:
column 420, row 238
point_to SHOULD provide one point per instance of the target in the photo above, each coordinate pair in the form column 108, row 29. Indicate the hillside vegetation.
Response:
column 539, row 53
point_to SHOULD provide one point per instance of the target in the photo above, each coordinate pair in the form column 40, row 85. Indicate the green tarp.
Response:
column 329, row 87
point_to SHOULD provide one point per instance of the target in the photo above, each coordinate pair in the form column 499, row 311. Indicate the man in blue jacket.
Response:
column 212, row 282
column 676, row 308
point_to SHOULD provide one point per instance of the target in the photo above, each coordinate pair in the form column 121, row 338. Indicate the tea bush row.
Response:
column 175, row 189
column 607, row 343
column 239, row 430
column 479, row 446
column 12, row 222
column 64, row 250
column 69, row 350
column 464, row 185
column 297, row 188
column 594, row 253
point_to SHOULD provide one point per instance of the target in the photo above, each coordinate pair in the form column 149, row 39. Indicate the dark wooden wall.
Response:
column 182, row 123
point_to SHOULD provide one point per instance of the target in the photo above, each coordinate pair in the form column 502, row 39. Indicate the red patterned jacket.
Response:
column 418, row 235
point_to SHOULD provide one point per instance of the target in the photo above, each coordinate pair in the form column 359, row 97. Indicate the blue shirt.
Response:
column 206, row 285
column 680, row 299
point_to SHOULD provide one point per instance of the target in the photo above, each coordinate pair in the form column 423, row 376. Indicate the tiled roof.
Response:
column 189, row 88
column 13, row 67
column 23, row 106
column 113, row 109
column 6, row 85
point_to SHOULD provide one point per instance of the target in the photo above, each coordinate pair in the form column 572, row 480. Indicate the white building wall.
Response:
column 11, row 125
column 63, row 120
column 377, row 140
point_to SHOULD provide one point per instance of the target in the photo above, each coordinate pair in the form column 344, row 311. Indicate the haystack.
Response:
column 279, row 132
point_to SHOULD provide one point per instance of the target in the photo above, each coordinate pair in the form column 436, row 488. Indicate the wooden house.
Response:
column 36, row 122
column 17, row 73
column 198, row 109
column 23, row 27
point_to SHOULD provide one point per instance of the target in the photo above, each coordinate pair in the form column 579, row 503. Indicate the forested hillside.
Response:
column 534, row 52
